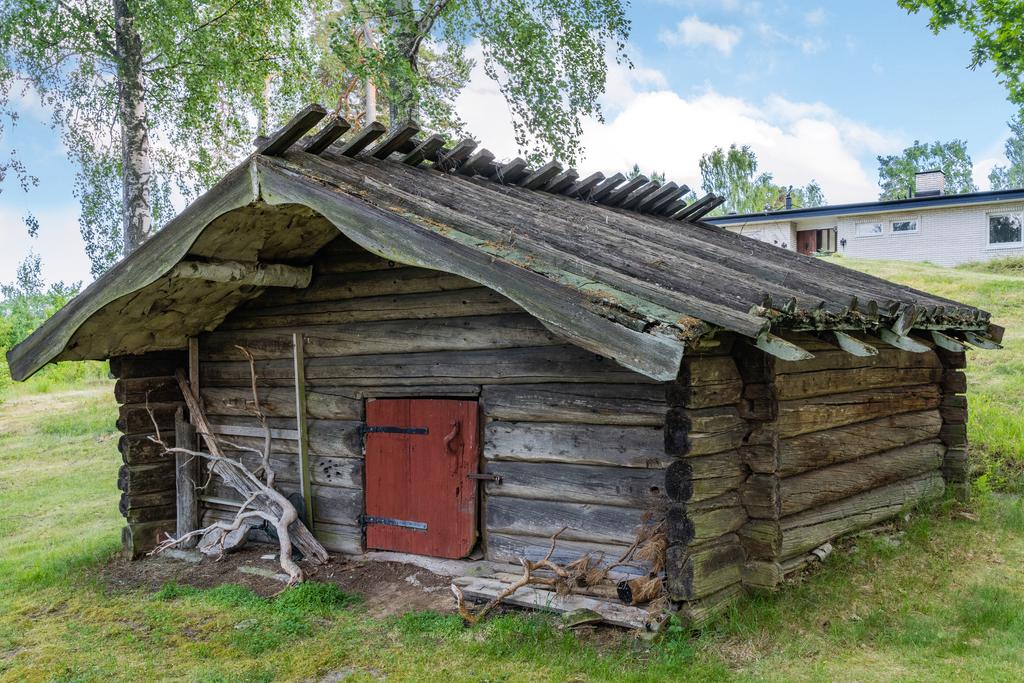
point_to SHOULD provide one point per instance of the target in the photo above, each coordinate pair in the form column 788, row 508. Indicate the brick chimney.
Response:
column 929, row 183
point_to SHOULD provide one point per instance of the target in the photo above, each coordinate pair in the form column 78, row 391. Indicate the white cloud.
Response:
column 815, row 17
column 694, row 32
column 59, row 244
column 663, row 131
column 809, row 45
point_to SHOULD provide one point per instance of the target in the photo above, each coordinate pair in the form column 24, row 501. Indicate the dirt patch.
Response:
column 386, row 588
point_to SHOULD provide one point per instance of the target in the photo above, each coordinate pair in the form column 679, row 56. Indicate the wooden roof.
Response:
column 625, row 268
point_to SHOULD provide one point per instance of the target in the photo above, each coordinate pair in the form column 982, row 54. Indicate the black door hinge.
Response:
column 375, row 429
column 365, row 520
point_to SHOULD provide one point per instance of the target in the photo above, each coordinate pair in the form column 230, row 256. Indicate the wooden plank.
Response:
column 619, row 486
column 690, row 480
column 186, row 470
column 425, row 151
column 511, row 172
column 582, row 187
column 604, row 188
column 327, row 135
column 397, row 138
column 141, row 479
column 637, row 195
column 140, row 450
column 561, row 182
column 536, row 598
column 902, row 342
column 541, row 176
column 887, row 357
column 481, row 159
column 332, row 438
column 139, row 419
column 697, row 613
column 827, row 412
column 854, row 346
column 302, row 427
column 451, row 160
column 820, row 449
column 576, row 444
column 338, row 287
column 619, row 194
column 147, row 389
column 362, row 139
column 287, row 135
column 615, row 404
column 340, row 538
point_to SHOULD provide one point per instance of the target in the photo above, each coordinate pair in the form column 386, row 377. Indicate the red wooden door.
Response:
column 807, row 241
column 419, row 496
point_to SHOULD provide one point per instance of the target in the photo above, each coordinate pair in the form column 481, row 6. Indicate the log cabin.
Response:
column 460, row 355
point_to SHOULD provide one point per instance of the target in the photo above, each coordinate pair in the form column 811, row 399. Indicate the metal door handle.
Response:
column 452, row 435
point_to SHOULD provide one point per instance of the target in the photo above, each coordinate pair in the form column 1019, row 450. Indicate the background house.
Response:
column 930, row 226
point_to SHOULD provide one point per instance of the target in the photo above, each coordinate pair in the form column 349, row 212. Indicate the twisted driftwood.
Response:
column 261, row 499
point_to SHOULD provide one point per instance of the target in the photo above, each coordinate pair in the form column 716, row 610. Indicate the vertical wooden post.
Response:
column 185, row 475
column 193, row 364
column 301, row 426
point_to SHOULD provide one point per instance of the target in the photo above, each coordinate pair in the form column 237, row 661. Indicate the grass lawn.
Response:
column 940, row 598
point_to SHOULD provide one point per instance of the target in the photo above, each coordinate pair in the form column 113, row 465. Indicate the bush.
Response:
column 1008, row 265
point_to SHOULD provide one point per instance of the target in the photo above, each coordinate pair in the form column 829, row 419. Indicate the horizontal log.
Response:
column 331, row 504
column 141, row 450
column 951, row 359
column 330, row 438
column 694, row 572
column 238, row 273
column 697, row 479
column 698, row 613
column 835, row 359
column 716, row 517
column 576, row 444
column 817, row 487
column 159, row 513
column 402, row 336
column 953, row 415
column 138, row 479
column 807, row 530
column 511, row 548
column 706, row 381
column 953, row 435
column 155, row 364
column 134, row 418
column 544, row 518
column 152, row 499
column 761, row 496
column 466, row 302
column 139, row 539
column 620, row 486
column 828, row 412
column 954, row 382
column 330, row 287
column 280, row 402
column 808, row 384
column 762, row 574
column 703, row 432
column 956, row 465
column 819, row 449
column 611, row 404
column 521, row 365
column 143, row 389
column 356, row 262
column 339, row 538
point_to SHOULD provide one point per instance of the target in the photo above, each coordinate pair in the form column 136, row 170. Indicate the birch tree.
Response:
column 152, row 97
column 549, row 59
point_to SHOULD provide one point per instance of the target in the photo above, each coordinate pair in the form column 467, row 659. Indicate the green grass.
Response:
column 940, row 599
column 995, row 378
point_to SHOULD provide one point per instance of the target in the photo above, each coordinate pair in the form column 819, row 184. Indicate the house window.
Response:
column 1004, row 230
column 869, row 229
column 904, row 227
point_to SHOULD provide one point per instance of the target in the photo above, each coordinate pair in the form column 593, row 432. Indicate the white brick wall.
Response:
column 946, row 236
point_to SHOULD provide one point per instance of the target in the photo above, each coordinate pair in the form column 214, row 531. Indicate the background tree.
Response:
column 548, row 58
column 997, row 27
column 733, row 174
column 1012, row 176
column 896, row 171
column 655, row 176
column 153, row 96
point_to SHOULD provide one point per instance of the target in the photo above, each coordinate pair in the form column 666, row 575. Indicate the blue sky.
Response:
column 817, row 89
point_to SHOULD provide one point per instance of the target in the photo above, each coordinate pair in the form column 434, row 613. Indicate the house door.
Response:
column 419, row 495
column 807, row 241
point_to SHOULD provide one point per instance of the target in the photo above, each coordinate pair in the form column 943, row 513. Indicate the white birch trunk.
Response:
column 136, row 153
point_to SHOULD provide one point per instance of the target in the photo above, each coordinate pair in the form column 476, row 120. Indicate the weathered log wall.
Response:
column 577, row 440
column 147, row 477
column 771, row 459
column 853, row 441
column 954, row 420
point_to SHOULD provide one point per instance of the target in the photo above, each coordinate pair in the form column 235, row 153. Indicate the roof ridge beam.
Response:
column 395, row 140
column 327, row 136
column 362, row 139
column 279, row 141
column 425, row 151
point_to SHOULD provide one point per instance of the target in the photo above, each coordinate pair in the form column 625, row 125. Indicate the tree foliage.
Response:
column 1012, row 176
column 548, row 58
column 896, row 171
column 207, row 72
column 997, row 27
column 654, row 176
column 27, row 302
column 733, row 174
